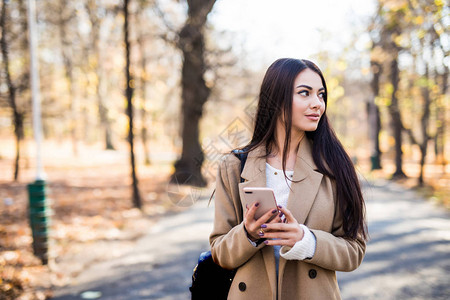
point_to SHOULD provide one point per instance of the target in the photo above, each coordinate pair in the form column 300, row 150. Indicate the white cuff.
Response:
column 252, row 242
column 303, row 249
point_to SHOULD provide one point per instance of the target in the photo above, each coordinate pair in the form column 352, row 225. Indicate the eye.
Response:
column 303, row 93
column 322, row 95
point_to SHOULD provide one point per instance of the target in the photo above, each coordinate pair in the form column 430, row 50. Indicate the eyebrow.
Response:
column 308, row 87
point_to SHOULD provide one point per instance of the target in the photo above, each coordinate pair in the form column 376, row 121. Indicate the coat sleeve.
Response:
column 336, row 252
column 230, row 247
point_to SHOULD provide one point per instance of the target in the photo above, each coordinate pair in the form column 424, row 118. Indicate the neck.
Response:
column 280, row 137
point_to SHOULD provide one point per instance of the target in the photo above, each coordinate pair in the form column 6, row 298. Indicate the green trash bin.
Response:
column 39, row 215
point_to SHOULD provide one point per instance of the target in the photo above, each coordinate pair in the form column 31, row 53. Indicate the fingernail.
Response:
column 266, row 242
column 281, row 214
column 263, row 226
column 257, row 203
column 279, row 206
column 285, row 220
column 274, row 211
column 261, row 234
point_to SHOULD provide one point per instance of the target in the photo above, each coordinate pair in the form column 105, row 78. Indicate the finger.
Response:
column 284, row 235
column 277, row 219
column 266, row 217
column 251, row 212
column 282, row 231
column 249, row 220
column 279, row 242
column 288, row 215
column 275, row 226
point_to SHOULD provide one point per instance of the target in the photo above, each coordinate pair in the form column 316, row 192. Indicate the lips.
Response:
column 313, row 117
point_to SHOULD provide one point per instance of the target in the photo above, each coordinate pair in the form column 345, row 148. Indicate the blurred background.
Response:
column 140, row 99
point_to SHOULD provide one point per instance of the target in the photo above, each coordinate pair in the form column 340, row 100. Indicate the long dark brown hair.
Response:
column 331, row 159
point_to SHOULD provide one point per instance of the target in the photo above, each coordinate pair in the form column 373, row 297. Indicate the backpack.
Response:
column 209, row 280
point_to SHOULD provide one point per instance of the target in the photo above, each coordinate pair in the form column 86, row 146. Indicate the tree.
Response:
column 95, row 13
column 394, row 111
column 64, row 22
column 195, row 93
column 137, row 202
column 439, row 141
column 412, row 32
column 387, row 28
column 142, row 28
column 8, row 35
column 423, row 20
column 374, row 116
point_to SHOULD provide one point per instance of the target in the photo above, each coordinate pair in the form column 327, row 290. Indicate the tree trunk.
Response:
column 92, row 9
column 66, row 52
column 424, row 126
column 144, row 113
column 396, row 122
column 18, row 116
column 195, row 93
column 129, row 94
column 102, row 108
column 374, row 117
column 439, row 142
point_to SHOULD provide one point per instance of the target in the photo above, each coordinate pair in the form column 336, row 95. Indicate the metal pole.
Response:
column 39, row 212
column 35, row 84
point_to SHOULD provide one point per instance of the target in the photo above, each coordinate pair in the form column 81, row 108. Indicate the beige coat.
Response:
column 313, row 202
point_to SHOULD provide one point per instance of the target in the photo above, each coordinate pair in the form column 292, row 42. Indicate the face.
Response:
column 308, row 101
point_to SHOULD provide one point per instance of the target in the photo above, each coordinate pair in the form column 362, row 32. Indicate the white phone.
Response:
column 266, row 198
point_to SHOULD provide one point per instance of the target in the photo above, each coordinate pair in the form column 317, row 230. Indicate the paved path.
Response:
column 408, row 256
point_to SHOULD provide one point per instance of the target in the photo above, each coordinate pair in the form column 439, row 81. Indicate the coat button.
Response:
column 242, row 286
column 312, row 273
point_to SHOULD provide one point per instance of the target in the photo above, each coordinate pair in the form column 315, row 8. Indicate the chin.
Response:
column 306, row 127
column 310, row 128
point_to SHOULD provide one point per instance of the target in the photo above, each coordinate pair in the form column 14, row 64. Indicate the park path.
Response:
column 408, row 256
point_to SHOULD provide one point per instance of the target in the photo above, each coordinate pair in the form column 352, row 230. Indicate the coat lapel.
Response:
column 304, row 191
column 254, row 173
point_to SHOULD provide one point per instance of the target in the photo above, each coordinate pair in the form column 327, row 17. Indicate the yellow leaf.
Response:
column 389, row 88
column 382, row 101
column 421, row 33
column 398, row 40
column 419, row 20
column 439, row 3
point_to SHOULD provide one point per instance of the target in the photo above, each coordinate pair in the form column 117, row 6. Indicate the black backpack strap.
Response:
column 242, row 155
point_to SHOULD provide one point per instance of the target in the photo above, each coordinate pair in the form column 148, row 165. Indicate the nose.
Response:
column 316, row 102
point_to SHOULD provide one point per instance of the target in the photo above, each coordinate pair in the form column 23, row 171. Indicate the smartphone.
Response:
column 266, row 198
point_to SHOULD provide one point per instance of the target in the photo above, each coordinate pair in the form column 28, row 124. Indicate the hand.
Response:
column 286, row 233
column 253, row 226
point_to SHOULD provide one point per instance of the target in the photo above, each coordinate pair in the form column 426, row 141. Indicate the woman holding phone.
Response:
column 319, row 226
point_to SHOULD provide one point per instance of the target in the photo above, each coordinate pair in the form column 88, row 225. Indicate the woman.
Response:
column 320, row 227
